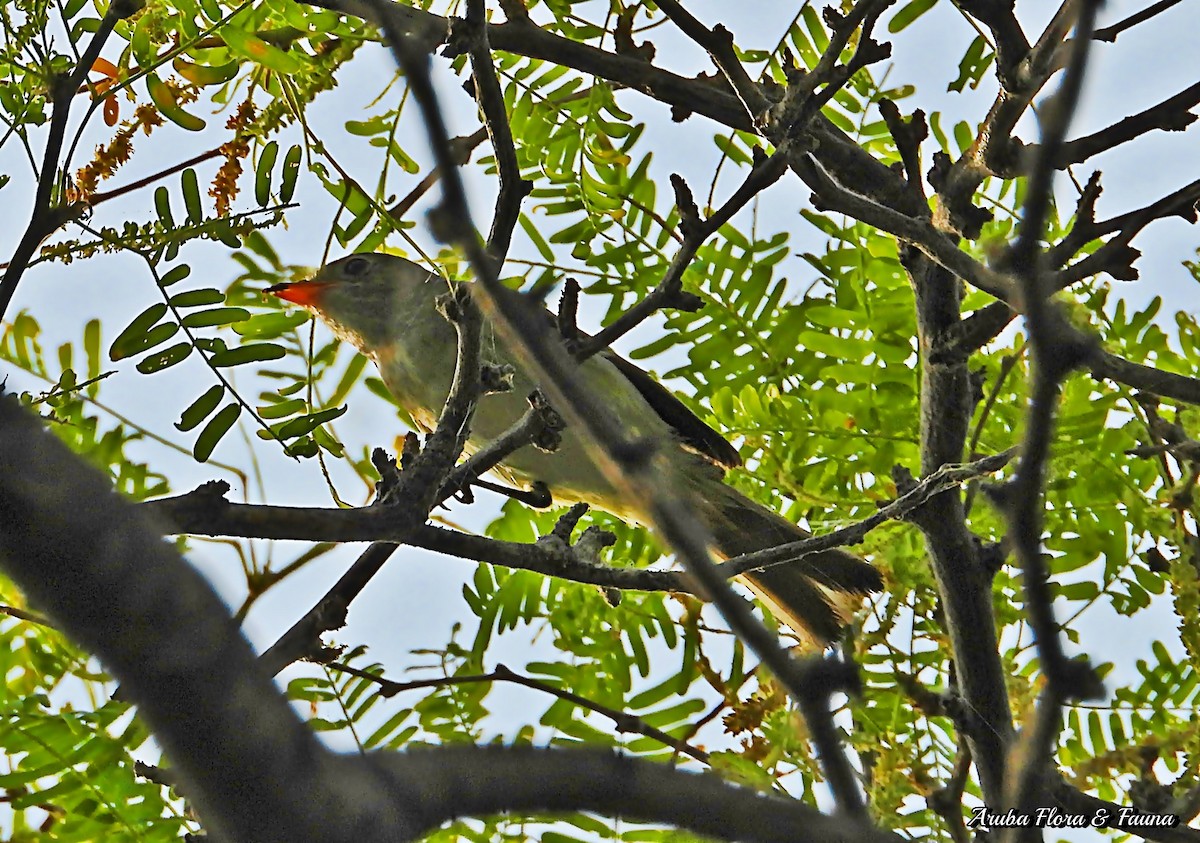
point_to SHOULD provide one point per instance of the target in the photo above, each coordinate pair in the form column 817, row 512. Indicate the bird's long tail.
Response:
column 814, row 595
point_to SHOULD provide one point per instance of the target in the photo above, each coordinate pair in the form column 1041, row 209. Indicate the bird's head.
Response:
column 364, row 297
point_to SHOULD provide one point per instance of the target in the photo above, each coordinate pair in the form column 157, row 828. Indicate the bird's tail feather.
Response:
column 815, row 595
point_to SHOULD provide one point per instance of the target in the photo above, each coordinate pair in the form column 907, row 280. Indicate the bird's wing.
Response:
column 693, row 433
column 688, row 426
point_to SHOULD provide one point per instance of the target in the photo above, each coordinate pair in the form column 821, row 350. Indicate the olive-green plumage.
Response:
column 385, row 306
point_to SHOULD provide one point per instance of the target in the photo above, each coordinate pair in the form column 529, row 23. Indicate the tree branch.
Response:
column 1146, row 378
column 931, row 485
column 100, row 569
column 1056, row 348
column 622, row 721
column 1170, row 115
column 463, row 147
column 1115, row 256
column 487, row 92
column 937, row 245
column 47, row 217
column 457, row 781
column 1110, row 33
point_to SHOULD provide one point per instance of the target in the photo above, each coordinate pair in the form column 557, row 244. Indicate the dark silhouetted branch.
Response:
column 472, row 781
column 1170, row 115
column 1110, row 33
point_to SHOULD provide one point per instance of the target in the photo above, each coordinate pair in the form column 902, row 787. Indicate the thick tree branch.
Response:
column 718, row 42
column 100, row 569
column 1116, row 257
column 995, row 150
column 838, row 153
column 1009, row 39
column 1146, row 378
column 964, row 577
column 937, row 245
column 469, row 781
column 205, row 512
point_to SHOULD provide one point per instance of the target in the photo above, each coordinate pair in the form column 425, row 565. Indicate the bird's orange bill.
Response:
column 306, row 294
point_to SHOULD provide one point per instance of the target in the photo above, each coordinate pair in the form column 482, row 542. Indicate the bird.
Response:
column 386, row 307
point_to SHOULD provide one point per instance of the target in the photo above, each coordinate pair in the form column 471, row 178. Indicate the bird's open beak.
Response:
column 305, row 294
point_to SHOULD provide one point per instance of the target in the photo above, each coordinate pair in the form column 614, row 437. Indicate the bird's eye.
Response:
column 356, row 267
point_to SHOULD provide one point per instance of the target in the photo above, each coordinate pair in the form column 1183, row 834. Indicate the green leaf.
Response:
column 196, row 298
column 216, row 316
column 191, row 196
column 205, row 74
column 348, row 379
column 91, row 349
column 282, row 408
column 253, row 353
column 131, row 340
column 305, row 424
column 162, row 205
column 974, row 63
column 291, row 170
column 200, row 408
column 388, row 728
column 909, row 13
column 258, row 50
column 178, row 273
column 271, row 325
column 216, row 428
column 262, row 173
column 165, row 359
column 163, row 97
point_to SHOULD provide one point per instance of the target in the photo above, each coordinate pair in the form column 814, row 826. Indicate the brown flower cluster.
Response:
column 224, row 187
column 111, row 156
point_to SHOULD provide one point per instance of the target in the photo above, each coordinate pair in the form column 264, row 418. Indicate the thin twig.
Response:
column 28, row 617
column 105, row 195
column 669, row 291
column 1110, row 33
column 463, row 147
column 623, row 721
column 930, row 486
column 513, row 188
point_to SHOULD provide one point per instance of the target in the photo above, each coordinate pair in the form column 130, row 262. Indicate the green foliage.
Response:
column 804, row 353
